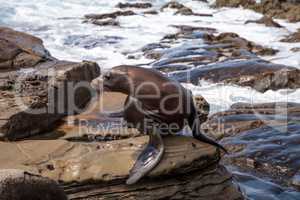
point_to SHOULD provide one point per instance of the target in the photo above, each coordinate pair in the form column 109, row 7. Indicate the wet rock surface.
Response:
column 18, row 185
column 31, row 93
column 111, row 15
column 107, row 19
column 261, row 138
column 268, row 21
column 201, row 54
column 285, row 9
column 258, row 74
column 134, row 5
column 294, row 37
column 182, row 9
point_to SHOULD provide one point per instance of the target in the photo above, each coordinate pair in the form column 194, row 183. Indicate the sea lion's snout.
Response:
column 115, row 81
column 97, row 84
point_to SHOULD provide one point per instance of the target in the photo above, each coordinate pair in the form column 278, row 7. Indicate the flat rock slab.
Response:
column 69, row 162
column 214, row 183
column 89, row 168
column 258, row 137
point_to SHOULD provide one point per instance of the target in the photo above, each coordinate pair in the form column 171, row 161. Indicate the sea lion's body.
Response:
column 155, row 105
column 165, row 101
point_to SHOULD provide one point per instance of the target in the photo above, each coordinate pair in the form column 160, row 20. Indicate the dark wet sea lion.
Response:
column 155, row 105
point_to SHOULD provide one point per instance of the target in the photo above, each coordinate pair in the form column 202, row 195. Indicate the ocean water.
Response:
column 59, row 24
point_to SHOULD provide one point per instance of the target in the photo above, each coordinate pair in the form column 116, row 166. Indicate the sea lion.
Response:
column 156, row 105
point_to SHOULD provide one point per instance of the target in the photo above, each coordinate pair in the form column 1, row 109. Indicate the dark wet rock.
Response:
column 182, row 9
column 32, row 99
column 153, row 50
column 233, row 42
column 294, row 37
column 279, row 9
column 262, row 138
column 225, row 58
column 268, row 21
column 112, row 15
column 239, row 43
column 258, row 74
column 18, row 185
column 295, row 49
column 185, row 29
column 109, row 22
column 89, row 42
column 151, row 12
column 134, row 5
column 173, row 5
column 234, row 3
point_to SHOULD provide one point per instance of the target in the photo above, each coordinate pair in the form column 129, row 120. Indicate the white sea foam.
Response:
column 59, row 24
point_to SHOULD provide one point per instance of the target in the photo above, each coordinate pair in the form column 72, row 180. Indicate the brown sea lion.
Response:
column 155, row 105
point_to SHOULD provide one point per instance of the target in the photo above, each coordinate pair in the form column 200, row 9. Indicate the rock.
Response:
column 33, row 99
column 109, row 22
column 228, row 44
column 238, row 42
column 20, row 50
column 96, row 125
column 172, row 5
column 278, row 9
column 86, row 167
column 203, row 184
column 134, row 5
column 268, row 21
column 186, row 29
column 91, row 41
column 112, row 15
column 234, row 3
column 18, row 185
column 182, row 9
column 151, row 12
column 294, row 37
column 28, row 43
column 295, row 49
column 258, row 74
column 257, row 136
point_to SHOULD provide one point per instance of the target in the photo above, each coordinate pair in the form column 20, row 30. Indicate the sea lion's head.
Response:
column 114, row 80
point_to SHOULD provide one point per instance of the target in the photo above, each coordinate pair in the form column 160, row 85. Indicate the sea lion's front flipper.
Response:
column 148, row 159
